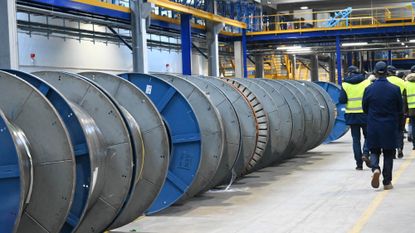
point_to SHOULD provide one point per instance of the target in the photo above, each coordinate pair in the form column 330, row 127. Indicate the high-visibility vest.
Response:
column 397, row 82
column 410, row 94
column 355, row 94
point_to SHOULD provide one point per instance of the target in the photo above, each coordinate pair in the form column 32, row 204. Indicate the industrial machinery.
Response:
column 93, row 151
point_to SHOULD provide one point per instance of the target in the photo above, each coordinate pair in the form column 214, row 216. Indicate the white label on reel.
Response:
column 148, row 89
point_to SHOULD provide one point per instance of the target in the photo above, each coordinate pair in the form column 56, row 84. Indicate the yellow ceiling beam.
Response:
column 197, row 13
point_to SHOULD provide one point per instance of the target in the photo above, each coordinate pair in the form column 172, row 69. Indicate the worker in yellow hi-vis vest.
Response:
column 410, row 94
column 353, row 88
column 392, row 78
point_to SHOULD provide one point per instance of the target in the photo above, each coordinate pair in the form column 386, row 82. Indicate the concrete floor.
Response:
column 317, row 192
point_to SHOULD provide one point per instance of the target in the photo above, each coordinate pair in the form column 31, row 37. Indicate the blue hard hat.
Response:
column 391, row 69
column 380, row 68
column 413, row 69
column 353, row 69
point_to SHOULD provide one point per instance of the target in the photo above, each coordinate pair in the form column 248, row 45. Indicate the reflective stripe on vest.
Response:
column 410, row 94
column 397, row 82
column 355, row 96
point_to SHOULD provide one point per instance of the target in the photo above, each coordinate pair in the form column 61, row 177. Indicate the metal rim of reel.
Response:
column 247, row 126
column 118, row 169
column 86, row 147
column 212, row 132
column 340, row 127
column 52, row 154
column 327, row 109
column 297, row 114
column 262, row 122
column 319, row 105
column 279, row 121
column 12, row 178
column 231, row 127
column 309, row 131
column 184, row 133
column 136, row 102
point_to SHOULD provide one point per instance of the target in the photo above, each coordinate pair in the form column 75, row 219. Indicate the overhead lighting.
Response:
column 354, row 44
column 402, row 44
column 304, row 8
column 289, row 47
column 397, row 40
column 406, row 46
column 300, row 50
column 411, row 41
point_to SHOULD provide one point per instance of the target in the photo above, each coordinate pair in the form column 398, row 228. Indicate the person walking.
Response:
column 382, row 101
column 353, row 88
column 410, row 94
column 392, row 78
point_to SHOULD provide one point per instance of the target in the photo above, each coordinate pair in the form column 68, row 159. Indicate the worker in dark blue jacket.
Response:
column 382, row 101
column 353, row 88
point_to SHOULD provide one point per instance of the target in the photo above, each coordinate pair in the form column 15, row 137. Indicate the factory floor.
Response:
column 317, row 192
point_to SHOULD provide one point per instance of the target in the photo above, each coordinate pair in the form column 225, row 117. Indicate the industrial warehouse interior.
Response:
column 207, row 116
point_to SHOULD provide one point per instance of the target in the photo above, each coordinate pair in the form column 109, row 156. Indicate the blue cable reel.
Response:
column 78, row 138
column 340, row 127
column 184, row 134
column 11, row 184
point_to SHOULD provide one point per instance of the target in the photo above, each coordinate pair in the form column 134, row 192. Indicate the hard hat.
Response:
column 413, row 69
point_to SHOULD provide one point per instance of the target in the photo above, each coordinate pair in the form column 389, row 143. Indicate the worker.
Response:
column 382, row 102
column 410, row 94
column 353, row 88
column 392, row 78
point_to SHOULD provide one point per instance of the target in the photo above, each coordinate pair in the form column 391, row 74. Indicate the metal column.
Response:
column 212, row 39
column 339, row 60
column 389, row 57
column 259, row 66
column 332, row 68
column 314, row 68
column 9, row 54
column 349, row 58
column 244, row 53
column 140, row 13
column 186, row 43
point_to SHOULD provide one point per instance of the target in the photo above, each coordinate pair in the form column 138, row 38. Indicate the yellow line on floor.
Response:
column 357, row 228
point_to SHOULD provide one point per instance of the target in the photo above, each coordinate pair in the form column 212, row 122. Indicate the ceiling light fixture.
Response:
column 411, row 41
column 304, row 8
column 402, row 44
column 354, row 44
column 289, row 47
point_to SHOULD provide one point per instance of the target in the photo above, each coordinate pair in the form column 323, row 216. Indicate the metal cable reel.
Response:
column 156, row 160
column 296, row 144
column 117, row 171
column 212, row 132
column 310, row 127
column 42, row 133
column 184, row 134
column 340, row 127
column 279, row 121
column 262, row 123
column 87, row 144
column 247, row 123
column 327, row 109
column 231, row 127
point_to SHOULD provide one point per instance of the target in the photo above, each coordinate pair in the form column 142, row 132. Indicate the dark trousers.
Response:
column 413, row 127
column 401, row 131
column 357, row 145
column 387, row 163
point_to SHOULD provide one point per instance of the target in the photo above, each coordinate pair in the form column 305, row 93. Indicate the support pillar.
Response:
column 259, row 66
column 9, row 53
column 339, row 60
column 244, row 54
column 314, row 68
column 332, row 68
column 140, row 13
column 294, row 67
column 389, row 57
column 238, row 54
column 349, row 58
column 212, row 39
column 186, row 43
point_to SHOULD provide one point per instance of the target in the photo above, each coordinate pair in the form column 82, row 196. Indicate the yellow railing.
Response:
column 308, row 20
